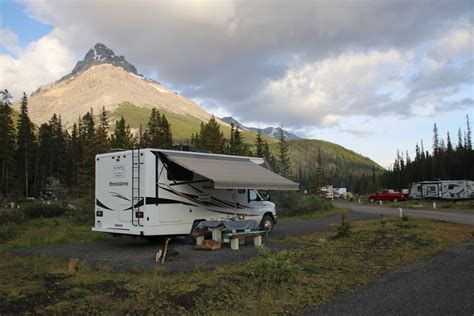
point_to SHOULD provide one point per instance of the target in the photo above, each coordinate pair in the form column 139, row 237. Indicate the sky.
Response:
column 372, row 76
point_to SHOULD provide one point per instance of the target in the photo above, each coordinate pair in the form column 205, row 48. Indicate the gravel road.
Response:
column 128, row 253
column 441, row 285
column 459, row 218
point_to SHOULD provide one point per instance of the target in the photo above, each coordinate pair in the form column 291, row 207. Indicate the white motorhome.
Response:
column 443, row 189
column 153, row 192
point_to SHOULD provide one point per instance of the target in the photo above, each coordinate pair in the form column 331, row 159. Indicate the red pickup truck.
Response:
column 387, row 195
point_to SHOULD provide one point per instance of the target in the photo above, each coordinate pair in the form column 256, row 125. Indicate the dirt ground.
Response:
column 126, row 253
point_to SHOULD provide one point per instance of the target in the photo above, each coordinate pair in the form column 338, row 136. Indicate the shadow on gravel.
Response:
column 126, row 253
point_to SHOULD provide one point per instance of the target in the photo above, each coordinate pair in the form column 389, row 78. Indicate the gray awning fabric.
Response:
column 231, row 172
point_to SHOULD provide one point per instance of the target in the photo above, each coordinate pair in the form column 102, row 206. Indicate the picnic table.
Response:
column 233, row 230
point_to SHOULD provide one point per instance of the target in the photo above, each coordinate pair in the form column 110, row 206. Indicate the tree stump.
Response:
column 73, row 265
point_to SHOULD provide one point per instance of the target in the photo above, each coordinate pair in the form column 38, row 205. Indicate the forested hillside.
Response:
column 335, row 165
column 32, row 157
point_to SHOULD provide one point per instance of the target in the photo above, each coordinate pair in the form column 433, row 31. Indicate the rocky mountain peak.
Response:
column 269, row 131
column 98, row 55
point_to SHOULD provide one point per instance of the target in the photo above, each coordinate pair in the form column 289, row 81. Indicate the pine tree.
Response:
column 7, row 145
column 25, row 155
column 468, row 142
column 88, row 141
column 52, row 151
column 259, row 144
column 435, row 140
column 158, row 133
column 211, row 137
column 122, row 136
column 74, row 154
column 449, row 145
column 231, row 141
column 166, row 132
column 283, row 155
column 459, row 145
column 239, row 146
column 318, row 177
column 102, row 133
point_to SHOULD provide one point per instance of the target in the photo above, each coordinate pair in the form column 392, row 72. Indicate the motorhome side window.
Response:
column 241, row 191
column 178, row 173
column 253, row 196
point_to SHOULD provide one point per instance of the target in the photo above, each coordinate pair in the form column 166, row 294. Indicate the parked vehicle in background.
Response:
column 338, row 192
column 387, row 195
column 327, row 192
column 443, row 189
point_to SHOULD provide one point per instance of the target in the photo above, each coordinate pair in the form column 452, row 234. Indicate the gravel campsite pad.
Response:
column 127, row 253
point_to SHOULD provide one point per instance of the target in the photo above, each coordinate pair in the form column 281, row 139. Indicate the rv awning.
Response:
column 231, row 172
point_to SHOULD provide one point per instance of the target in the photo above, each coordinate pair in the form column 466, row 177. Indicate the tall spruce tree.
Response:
column 26, row 149
column 89, row 147
column 210, row 137
column 102, row 133
column 74, row 154
column 238, row 147
column 283, row 155
column 166, row 132
column 468, row 143
column 318, row 176
column 259, row 144
column 122, row 136
column 52, row 151
column 7, row 146
column 435, row 140
column 158, row 134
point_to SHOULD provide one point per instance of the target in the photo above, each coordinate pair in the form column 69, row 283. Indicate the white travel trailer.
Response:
column 153, row 192
column 443, row 189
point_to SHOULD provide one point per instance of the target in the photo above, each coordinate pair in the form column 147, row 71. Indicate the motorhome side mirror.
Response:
column 268, row 197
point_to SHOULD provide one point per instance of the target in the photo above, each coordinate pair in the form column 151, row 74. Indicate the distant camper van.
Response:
column 153, row 192
column 443, row 189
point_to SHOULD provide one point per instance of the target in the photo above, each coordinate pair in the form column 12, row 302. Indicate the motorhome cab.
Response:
column 152, row 192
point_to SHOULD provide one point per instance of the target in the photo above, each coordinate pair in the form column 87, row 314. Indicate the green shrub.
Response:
column 81, row 212
column 39, row 209
column 268, row 267
column 11, row 215
column 81, row 215
column 8, row 231
column 297, row 203
column 345, row 229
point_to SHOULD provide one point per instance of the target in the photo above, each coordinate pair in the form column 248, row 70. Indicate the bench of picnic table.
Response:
column 236, row 237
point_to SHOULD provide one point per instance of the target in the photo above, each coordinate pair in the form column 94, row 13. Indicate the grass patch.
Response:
column 43, row 231
column 443, row 206
column 283, row 282
column 314, row 215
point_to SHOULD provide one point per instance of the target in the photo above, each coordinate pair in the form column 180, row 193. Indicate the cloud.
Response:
column 314, row 63
column 9, row 40
column 42, row 61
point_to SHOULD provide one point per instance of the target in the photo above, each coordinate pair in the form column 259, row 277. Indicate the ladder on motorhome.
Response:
column 136, row 194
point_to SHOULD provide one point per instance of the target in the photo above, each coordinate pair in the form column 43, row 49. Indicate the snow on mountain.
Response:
column 269, row 131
